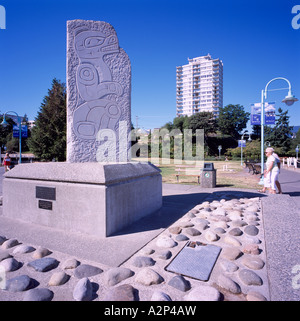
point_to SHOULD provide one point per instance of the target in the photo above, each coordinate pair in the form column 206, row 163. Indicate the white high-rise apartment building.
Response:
column 199, row 86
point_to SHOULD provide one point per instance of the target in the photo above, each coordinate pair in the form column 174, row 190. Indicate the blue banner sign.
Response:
column 242, row 143
column 24, row 131
column 269, row 114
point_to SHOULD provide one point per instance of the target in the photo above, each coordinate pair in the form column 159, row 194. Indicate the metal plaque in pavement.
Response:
column 195, row 260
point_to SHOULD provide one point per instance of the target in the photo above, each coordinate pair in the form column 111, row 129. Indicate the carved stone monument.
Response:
column 98, row 191
column 98, row 93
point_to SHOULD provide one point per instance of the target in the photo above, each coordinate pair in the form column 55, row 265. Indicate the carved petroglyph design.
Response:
column 95, row 84
column 98, row 91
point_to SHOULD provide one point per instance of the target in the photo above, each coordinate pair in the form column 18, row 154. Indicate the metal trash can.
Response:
column 208, row 176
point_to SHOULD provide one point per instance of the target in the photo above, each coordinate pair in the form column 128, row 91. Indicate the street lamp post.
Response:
column 288, row 100
column 4, row 123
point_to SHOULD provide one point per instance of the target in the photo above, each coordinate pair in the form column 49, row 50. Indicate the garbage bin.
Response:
column 208, row 176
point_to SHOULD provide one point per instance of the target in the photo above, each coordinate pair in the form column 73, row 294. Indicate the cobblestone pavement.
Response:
column 228, row 221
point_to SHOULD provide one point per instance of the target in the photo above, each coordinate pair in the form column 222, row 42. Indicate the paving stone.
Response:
column 251, row 230
column 4, row 255
column 19, row 283
column 190, row 215
column 239, row 223
column 70, row 264
column 165, row 242
column 2, row 239
column 235, row 232
column 201, row 223
column 181, row 238
column 219, row 230
column 221, row 224
column 210, row 236
column 255, row 296
column 232, row 240
column 192, row 231
column 10, row 264
column 231, row 253
column 180, row 283
column 58, row 278
column 203, row 293
column 23, row 249
column 41, row 252
column 229, row 266
column 255, row 223
column 116, row 275
column 147, row 276
column 175, row 229
column 249, row 277
column 9, row 243
column 123, row 292
column 83, row 290
column 228, row 284
column 234, row 215
column 38, row 294
column 251, row 249
column 253, row 262
column 147, row 251
column 44, row 264
column 251, row 217
column 143, row 261
column 219, row 218
column 253, row 208
column 185, row 224
column 164, row 255
column 219, row 211
column 160, row 296
column 86, row 270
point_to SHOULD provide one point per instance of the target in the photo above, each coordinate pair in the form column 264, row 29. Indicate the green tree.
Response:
column 5, row 132
column 203, row 120
column 181, row 123
column 280, row 135
column 12, row 143
column 232, row 120
column 48, row 137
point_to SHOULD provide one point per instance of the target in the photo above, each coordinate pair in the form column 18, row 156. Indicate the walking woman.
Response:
column 6, row 162
column 271, row 172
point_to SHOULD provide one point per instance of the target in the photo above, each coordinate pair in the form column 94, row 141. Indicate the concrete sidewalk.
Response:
column 281, row 216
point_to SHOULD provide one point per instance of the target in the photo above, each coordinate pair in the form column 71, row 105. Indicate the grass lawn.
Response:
column 236, row 176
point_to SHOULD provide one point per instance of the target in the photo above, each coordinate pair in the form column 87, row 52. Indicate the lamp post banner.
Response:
column 242, row 143
column 24, row 131
column 269, row 113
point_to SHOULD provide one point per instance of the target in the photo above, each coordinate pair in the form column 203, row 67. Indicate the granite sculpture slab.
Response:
column 98, row 94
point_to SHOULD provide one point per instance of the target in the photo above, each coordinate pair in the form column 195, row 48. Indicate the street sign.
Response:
column 24, row 131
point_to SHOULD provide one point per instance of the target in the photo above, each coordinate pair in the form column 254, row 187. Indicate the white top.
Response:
column 273, row 159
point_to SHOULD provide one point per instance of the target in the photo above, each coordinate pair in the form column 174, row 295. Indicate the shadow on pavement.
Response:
column 177, row 205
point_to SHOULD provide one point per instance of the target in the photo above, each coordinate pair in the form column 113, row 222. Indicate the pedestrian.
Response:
column 6, row 162
column 271, row 172
column 278, row 172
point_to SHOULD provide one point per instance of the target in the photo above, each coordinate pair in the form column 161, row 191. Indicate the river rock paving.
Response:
column 31, row 273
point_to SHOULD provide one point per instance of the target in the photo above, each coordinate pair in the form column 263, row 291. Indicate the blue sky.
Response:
column 254, row 39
